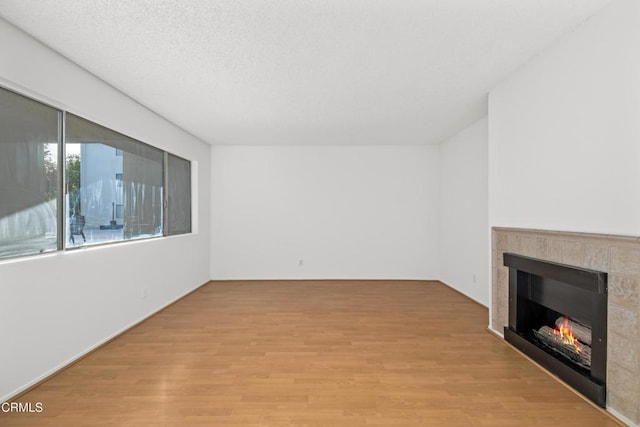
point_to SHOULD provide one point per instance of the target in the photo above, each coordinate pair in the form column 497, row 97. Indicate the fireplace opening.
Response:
column 558, row 317
column 568, row 339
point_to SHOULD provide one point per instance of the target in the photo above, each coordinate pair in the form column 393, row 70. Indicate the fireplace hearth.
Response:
column 558, row 317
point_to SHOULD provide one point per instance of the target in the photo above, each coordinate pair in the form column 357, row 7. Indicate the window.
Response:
column 29, row 202
column 178, row 195
column 131, row 178
column 115, row 187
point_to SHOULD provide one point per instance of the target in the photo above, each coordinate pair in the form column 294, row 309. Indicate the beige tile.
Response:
column 624, row 291
column 542, row 244
column 498, row 324
column 626, row 405
column 494, row 291
column 501, row 242
column 623, row 351
column 503, row 320
column 623, row 391
column 596, row 257
column 505, row 306
column 625, row 261
column 497, row 315
column 529, row 246
column 503, row 277
column 514, row 243
column 500, row 296
column 548, row 249
column 494, row 277
column 621, row 381
column 503, row 309
column 552, row 251
column 623, row 322
column 503, row 299
column 572, row 253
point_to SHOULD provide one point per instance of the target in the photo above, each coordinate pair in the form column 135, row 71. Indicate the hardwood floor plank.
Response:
column 309, row 353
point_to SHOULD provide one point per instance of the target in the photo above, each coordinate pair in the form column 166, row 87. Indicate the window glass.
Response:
column 114, row 185
column 28, row 176
column 116, row 188
column 178, row 195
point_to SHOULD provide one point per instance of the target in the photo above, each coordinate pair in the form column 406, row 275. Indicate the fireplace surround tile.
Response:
column 619, row 256
column 627, row 383
column 541, row 247
column 624, row 291
column 596, row 257
column 549, row 249
column 624, row 321
column 501, row 295
column 573, row 253
column 501, row 243
column 513, row 243
column 529, row 245
column 623, row 351
column 624, row 405
column 625, row 261
column 624, row 398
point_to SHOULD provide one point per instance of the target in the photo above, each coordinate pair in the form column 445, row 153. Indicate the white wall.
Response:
column 564, row 132
column 56, row 307
column 347, row 212
column 464, row 223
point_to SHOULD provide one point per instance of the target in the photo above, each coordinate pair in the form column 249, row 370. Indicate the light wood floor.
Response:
column 323, row 353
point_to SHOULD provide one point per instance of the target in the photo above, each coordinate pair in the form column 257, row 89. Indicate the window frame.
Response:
column 61, row 205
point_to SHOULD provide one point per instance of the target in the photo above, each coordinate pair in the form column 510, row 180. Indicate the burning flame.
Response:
column 565, row 332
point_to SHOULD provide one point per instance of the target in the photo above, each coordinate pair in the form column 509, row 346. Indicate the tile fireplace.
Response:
column 619, row 258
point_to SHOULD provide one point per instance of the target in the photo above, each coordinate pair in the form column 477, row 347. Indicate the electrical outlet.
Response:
column 474, row 279
column 300, row 262
column 145, row 292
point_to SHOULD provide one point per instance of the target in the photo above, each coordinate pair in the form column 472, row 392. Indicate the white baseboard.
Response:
column 88, row 350
column 622, row 418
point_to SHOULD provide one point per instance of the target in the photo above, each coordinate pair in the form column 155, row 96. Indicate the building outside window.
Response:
column 121, row 183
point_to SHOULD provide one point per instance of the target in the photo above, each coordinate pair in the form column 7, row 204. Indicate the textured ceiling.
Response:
column 264, row 72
